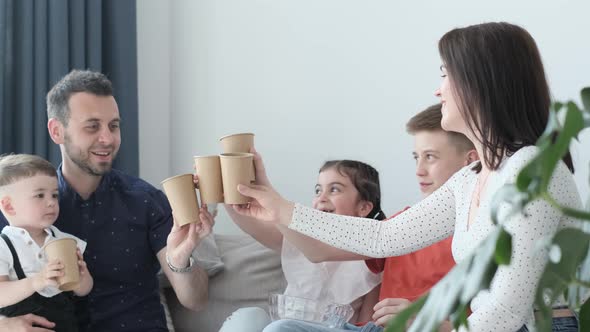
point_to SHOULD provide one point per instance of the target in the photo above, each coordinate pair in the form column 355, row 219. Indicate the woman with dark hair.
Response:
column 493, row 91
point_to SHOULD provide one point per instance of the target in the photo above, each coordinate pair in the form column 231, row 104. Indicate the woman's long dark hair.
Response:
column 365, row 179
column 500, row 86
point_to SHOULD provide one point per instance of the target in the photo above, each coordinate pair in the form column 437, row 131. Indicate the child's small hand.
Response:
column 86, row 281
column 48, row 275
column 81, row 264
column 387, row 309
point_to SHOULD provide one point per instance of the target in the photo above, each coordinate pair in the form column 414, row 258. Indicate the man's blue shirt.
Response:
column 125, row 222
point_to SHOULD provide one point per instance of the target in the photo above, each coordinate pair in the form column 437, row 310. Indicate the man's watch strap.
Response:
column 189, row 268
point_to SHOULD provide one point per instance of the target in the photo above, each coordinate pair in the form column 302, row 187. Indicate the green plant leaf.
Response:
column 585, row 93
column 574, row 123
column 534, row 177
column 568, row 249
column 555, row 107
column 459, row 317
column 515, row 199
column 577, row 292
column 552, row 127
column 578, row 214
column 503, row 249
column 399, row 324
column 584, row 323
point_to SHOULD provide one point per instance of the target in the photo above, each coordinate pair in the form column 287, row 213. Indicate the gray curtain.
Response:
column 40, row 42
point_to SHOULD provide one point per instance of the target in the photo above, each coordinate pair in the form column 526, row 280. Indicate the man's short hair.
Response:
column 429, row 120
column 76, row 81
column 15, row 167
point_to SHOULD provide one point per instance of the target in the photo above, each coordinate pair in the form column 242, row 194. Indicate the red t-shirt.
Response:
column 410, row 276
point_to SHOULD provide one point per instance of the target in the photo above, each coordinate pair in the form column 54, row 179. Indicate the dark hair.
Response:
column 76, row 81
column 500, row 86
column 14, row 167
column 365, row 179
column 429, row 120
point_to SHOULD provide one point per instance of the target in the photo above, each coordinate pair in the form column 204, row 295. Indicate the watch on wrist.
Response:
column 189, row 268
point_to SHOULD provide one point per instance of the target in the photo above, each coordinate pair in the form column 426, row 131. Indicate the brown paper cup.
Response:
column 239, row 143
column 235, row 169
column 65, row 251
column 182, row 196
column 210, row 184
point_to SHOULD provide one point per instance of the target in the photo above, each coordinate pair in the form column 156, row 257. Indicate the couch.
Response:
column 250, row 273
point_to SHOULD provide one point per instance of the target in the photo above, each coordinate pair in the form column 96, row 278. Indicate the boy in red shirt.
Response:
column 438, row 154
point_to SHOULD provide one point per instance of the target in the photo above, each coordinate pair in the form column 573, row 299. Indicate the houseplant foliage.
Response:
column 568, row 270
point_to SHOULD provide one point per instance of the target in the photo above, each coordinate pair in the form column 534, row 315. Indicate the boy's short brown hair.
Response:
column 429, row 120
column 14, row 167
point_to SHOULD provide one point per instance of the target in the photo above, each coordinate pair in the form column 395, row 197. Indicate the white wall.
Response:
column 320, row 79
column 153, row 62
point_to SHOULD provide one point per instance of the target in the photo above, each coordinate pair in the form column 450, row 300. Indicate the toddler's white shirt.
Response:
column 30, row 254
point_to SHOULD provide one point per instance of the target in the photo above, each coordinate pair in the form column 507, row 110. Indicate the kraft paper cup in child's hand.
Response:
column 239, row 143
column 64, row 250
column 210, row 184
column 180, row 191
column 235, row 169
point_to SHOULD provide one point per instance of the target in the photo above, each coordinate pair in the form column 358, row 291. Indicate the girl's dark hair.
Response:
column 500, row 86
column 365, row 179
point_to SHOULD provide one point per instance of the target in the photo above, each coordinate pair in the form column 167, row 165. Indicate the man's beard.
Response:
column 82, row 160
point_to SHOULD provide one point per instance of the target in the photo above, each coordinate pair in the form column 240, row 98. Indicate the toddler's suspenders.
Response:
column 16, row 262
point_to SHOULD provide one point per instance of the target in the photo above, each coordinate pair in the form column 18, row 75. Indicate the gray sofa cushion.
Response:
column 251, row 272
